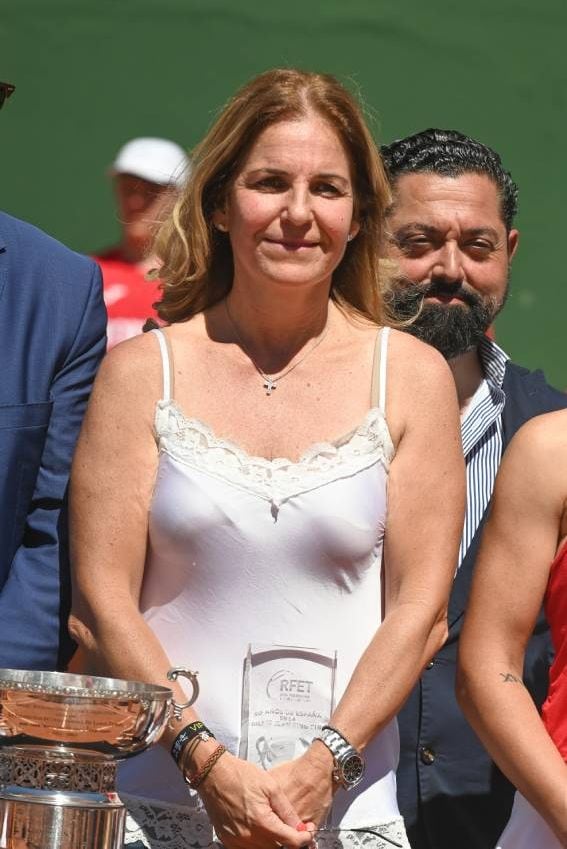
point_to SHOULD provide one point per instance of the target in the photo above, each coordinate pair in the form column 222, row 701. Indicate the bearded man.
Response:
column 452, row 237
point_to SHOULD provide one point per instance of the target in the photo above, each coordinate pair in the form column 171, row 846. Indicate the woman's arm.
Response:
column 426, row 502
column 426, row 497
column 111, row 487
column 518, row 546
column 111, row 484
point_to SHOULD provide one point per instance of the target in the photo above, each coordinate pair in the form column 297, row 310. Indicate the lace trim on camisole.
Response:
column 159, row 825
column 194, row 443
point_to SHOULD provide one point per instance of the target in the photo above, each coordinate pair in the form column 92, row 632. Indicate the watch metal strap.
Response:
column 335, row 741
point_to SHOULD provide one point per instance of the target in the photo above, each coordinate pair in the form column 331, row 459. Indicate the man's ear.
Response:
column 513, row 239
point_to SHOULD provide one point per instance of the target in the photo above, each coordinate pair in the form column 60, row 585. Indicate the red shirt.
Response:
column 127, row 294
column 554, row 711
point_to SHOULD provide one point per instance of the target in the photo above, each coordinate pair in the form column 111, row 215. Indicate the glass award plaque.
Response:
column 287, row 696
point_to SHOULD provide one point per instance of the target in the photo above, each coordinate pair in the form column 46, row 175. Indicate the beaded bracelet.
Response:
column 197, row 778
column 189, row 749
column 188, row 733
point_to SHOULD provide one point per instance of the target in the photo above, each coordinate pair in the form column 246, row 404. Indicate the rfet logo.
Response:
column 286, row 687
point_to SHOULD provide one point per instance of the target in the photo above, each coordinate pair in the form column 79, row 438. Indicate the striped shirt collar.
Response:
column 475, row 425
column 493, row 360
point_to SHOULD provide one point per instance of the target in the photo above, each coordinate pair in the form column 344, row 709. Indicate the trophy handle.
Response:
column 173, row 675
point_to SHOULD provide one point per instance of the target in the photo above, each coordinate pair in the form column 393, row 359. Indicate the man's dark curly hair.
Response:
column 451, row 154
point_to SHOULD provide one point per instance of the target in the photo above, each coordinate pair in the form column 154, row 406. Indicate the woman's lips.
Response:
column 291, row 244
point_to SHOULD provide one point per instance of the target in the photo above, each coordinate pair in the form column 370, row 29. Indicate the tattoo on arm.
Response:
column 508, row 678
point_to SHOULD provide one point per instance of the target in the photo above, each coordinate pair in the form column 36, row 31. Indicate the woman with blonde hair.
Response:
column 274, row 468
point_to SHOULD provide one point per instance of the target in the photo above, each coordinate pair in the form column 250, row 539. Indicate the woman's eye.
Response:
column 270, row 184
column 328, row 189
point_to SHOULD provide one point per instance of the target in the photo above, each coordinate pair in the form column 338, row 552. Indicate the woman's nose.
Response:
column 298, row 209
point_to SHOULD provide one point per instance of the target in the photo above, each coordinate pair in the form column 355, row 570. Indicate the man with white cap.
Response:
column 147, row 173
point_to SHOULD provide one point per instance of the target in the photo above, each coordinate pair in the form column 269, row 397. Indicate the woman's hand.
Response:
column 249, row 808
column 308, row 783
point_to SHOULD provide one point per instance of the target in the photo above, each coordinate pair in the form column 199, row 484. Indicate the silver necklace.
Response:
column 270, row 382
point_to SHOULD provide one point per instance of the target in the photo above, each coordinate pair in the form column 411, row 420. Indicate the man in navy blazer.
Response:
column 452, row 236
column 52, row 338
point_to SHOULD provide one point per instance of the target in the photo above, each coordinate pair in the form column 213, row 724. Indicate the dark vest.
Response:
column 450, row 792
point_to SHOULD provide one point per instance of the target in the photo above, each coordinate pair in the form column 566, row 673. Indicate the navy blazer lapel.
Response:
column 523, row 401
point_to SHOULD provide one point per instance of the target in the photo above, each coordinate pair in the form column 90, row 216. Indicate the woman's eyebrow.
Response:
column 332, row 176
column 266, row 170
column 281, row 172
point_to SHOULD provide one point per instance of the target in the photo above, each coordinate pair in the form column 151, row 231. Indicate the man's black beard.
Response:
column 452, row 329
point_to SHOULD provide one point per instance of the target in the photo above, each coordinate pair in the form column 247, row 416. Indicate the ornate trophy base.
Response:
column 60, row 824
column 60, row 738
column 39, row 810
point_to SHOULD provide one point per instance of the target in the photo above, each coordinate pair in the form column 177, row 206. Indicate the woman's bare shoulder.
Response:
column 405, row 352
column 531, row 486
column 118, row 428
column 421, row 393
column 413, row 353
column 548, row 431
column 130, row 378
column 417, row 368
column 538, row 452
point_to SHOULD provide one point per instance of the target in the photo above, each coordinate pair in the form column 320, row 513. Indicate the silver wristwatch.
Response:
column 349, row 764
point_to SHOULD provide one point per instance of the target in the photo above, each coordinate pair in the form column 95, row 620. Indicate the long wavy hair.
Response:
column 196, row 265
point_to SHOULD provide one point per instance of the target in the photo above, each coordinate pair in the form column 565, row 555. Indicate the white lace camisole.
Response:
column 248, row 550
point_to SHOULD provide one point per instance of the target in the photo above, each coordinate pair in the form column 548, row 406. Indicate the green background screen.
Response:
column 91, row 74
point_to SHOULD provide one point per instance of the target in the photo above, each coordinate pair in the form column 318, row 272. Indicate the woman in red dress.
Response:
column 522, row 563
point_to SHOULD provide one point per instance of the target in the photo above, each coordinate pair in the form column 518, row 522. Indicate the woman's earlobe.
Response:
column 219, row 220
column 354, row 231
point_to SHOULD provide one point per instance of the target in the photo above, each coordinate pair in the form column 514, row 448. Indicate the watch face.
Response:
column 352, row 769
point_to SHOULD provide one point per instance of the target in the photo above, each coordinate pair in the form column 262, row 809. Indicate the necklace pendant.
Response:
column 269, row 385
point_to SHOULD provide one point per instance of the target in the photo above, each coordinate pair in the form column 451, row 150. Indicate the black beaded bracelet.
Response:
column 185, row 735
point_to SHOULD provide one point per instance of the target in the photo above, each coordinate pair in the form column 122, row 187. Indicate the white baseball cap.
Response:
column 159, row 161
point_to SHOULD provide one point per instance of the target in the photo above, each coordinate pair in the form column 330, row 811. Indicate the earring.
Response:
column 350, row 237
column 222, row 228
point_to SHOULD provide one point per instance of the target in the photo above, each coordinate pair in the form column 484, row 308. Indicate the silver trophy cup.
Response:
column 61, row 736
